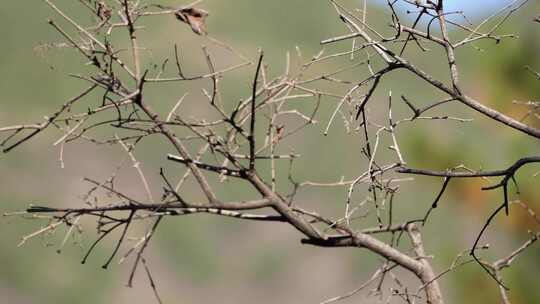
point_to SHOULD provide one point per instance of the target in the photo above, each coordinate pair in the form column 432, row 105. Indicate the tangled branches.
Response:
column 246, row 141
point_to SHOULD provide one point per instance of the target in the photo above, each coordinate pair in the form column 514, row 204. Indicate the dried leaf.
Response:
column 194, row 17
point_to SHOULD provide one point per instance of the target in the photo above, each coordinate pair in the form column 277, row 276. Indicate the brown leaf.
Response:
column 195, row 17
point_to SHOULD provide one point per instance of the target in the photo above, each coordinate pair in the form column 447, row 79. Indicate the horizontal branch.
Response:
column 234, row 205
column 208, row 167
column 366, row 241
column 448, row 173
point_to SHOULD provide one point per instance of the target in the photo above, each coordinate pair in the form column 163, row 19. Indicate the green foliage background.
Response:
column 203, row 259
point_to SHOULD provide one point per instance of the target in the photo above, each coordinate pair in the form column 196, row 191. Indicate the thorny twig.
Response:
column 228, row 146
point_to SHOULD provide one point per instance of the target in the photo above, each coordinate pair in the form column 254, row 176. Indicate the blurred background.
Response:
column 206, row 259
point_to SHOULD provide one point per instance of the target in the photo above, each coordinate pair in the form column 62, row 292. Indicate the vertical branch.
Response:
column 137, row 166
column 449, row 48
column 251, row 137
column 133, row 39
column 151, row 281
column 392, row 126
column 121, row 239
column 143, row 247
column 427, row 275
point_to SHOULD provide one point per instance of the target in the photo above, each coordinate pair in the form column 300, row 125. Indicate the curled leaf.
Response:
column 194, row 17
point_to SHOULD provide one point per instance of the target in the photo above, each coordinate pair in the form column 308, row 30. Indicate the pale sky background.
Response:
column 476, row 6
column 472, row 8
